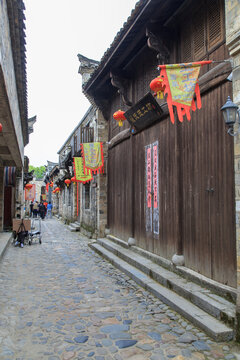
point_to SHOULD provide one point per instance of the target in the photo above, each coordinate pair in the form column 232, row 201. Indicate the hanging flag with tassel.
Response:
column 80, row 175
column 92, row 154
column 180, row 82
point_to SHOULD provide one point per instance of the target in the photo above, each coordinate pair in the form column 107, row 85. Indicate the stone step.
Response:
column 74, row 227
column 71, row 228
column 149, row 279
column 224, row 291
column 204, row 298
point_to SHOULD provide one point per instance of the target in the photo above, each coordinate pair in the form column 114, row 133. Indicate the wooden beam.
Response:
column 215, row 76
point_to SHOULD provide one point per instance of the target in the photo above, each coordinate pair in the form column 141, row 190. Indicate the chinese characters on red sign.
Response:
column 151, row 189
column 149, row 178
column 155, row 176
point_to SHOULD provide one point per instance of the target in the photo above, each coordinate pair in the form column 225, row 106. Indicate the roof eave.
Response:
column 118, row 41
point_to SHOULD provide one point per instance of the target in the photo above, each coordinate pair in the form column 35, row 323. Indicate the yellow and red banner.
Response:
column 80, row 174
column 180, row 82
column 92, row 154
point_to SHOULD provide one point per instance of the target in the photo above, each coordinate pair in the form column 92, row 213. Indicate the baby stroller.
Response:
column 35, row 232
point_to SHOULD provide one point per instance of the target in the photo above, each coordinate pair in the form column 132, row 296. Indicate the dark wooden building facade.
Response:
column 191, row 211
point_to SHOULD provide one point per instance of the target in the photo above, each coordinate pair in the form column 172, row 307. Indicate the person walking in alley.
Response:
column 31, row 209
column 42, row 210
column 49, row 210
column 35, row 209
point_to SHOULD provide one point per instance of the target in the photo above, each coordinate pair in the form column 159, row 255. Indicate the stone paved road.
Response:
column 61, row 301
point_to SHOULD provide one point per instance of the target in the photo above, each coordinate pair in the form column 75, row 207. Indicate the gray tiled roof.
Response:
column 17, row 32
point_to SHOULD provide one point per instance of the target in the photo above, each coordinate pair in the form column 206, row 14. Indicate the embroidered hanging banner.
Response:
column 30, row 194
column 180, row 82
column 79, row 173
column 92, row 154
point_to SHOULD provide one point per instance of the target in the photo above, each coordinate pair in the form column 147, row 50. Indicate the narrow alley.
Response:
column 60, row 300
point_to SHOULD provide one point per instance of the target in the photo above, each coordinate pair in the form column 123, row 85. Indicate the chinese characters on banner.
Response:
column 155, row 176
column 149, row 178
column 152, row 188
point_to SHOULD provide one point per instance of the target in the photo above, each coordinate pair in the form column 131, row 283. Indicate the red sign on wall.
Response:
column 151, row 188
column 155, row 176
column 149, row 178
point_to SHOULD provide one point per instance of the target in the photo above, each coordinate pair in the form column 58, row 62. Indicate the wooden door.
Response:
column 120, row 203
column 156, row 225
column 208, row 192
column 7, row 223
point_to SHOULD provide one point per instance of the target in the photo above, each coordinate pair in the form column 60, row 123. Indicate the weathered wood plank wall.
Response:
column 195, row 174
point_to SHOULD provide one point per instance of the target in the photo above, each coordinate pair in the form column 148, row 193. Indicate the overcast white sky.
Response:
column 58, row 30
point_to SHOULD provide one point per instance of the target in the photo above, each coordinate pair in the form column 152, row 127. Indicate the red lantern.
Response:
column 51, row 184
column 57, row 189
column 157, row 87
column 54, row 191
column 119, row 116
column 67, row 182
column 73, row 179
column 28, row 186
column 0, row 127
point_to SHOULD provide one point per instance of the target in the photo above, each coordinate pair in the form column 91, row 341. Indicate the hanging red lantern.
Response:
column 73, row 179
column 28, row 186
column 51, row 184
column 119, row 116
column 67, row 182
column 57, row 189
column 54, row 191
column 156, row 85
column 0, row 127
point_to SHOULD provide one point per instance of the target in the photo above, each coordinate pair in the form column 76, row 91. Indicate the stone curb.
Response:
column 5, row 240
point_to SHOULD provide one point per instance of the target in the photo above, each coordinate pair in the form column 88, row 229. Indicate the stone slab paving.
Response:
column 60, row 301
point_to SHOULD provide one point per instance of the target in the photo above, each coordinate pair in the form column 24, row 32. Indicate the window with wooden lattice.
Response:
column 202, row 30
column 199, row 34
column 75, row 144
column 86, row 134
column 186, row 48
column 215, row 23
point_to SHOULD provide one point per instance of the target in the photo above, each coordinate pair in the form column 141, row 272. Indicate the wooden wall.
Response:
column 195, row 171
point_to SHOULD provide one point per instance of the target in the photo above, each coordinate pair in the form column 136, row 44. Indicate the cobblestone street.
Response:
column 59, row 301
